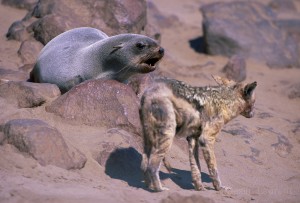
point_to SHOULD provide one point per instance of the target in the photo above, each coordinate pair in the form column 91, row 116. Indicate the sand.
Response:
column 259, row 158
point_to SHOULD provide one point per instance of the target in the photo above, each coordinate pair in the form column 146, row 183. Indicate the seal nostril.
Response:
column 161, row 50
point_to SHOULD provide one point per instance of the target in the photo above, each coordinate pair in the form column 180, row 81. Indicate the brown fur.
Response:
column 170, row 107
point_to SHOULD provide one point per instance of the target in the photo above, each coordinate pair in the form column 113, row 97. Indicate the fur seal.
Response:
column 87, row 53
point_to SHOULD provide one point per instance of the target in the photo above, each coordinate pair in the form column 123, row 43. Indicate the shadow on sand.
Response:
column 124, row 164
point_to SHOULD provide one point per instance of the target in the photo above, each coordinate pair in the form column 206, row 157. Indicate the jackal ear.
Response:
column 117, row 47
column 223, row 81
column 248, row 90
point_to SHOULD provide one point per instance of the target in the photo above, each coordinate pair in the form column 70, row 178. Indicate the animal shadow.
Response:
column 183, row 178
column 125, row 164
column 198, row 44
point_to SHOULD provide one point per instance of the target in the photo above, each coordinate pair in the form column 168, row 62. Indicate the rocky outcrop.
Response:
column 23, row 4
column 235, row 69
column 100, row 103
column 248, row 29
column 8, row 74
column 52, row 17
column 27, row 94
column 43, row 142
column 29, row 51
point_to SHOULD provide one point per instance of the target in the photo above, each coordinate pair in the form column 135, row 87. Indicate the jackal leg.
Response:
column 155, row 159
column 209, row 156
column 159, row 124
column 196, row 154
column 194, row 162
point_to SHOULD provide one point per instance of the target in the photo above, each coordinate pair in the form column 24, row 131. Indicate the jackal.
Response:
column 170, row 107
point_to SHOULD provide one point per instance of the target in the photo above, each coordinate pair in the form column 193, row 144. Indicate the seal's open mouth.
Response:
column 149, row 65
column 152, row 61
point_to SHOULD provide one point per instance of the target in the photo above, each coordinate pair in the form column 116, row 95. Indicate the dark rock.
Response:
column 247, row 29
column 23, row 4
column 27, row 94
column 100, row 103
column 235, row 69
column 52, row 17
column 29, row 51
column 43, row 142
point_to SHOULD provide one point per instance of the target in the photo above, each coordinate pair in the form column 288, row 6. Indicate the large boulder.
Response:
column 52, row 17
column 247, row 28
column 43, row 142
column 8, row 74
column 235, row 69
column 29, row 50
column 100, row 103
column 23, row 4
column 27, row 94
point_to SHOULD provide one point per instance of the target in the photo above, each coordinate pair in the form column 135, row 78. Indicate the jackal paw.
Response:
column 199, row 187
column 164, row 188
column 160, row 189
column 225, row 188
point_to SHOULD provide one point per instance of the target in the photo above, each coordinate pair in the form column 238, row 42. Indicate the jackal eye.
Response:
column 140, row 45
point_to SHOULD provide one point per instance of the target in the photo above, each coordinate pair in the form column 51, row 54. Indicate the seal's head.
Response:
column 140, row 54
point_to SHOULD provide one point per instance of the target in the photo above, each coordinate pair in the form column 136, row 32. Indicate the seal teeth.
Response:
column 152, row 61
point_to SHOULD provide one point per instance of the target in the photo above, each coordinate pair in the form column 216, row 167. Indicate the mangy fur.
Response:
column 170, row 107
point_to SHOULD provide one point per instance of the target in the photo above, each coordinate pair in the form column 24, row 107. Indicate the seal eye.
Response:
column 140, row 45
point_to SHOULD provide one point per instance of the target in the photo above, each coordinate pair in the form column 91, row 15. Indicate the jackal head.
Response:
column 245, row 91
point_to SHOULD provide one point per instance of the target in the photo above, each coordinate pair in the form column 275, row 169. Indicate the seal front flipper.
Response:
column 71, row 83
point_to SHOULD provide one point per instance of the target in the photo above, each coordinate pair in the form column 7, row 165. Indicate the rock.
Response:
column 115, row 139
column 51, row 25
column 247, row 29
column 121, row 157
column 29, row 51
column 291, row 26
column 43, row 142
column 157, row 20
column 100, row 103
column 235, row 69
column 2, row 137
column 8, row 74
column 27, row 94
column 52, row 17
column 294, row 91
column 23, row 4
column 140, row 82
column 177, row 198
column 26, row 68
column 283, row 5
column 18, row 31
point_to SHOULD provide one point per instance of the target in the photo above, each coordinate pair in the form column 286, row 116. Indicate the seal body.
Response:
column 87, row 53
